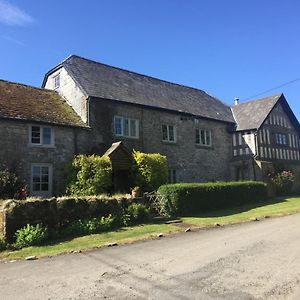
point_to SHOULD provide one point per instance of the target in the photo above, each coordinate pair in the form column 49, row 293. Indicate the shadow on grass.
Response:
column 236, row 210
column 54, row 240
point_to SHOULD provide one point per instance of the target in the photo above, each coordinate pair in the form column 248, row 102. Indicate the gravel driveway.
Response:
column 257, row 260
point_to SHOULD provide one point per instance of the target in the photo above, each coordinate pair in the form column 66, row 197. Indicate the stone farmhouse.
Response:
column 85, row 107
column 39, row 133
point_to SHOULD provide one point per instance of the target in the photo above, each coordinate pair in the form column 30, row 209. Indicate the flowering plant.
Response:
column 283, row 181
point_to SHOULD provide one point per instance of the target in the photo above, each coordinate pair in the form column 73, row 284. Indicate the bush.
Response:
column 89, row 175
column 88, row 226
column 151, row 170
column 9, row 184
column 194, row 198
column 31, row 235
column 282, row 182
column 3, row 245
column 138, row 212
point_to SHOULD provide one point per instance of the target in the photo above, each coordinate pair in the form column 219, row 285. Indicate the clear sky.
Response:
column 232, row 48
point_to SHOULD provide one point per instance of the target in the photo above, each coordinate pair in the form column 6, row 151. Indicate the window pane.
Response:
column 45, row 187
column 126, row 127
column 202, row 137
column 45, row 170
column 197, row 136
column 36, row 187
column 165, row 132
column 283, row 139
column 56, row 81
column 36, row 171
column 47, row 135
column 133, row 128
column 35, row 135
column 45, row 178
column 118, row 126
column 171, row 133
column 208, row 140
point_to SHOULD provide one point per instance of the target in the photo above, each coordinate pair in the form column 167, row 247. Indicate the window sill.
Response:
column 126, row 137
column 41, row 146
column 204, row 147
column 169, row 142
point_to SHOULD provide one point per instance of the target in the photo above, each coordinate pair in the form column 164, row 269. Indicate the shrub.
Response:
column 9, row 184
column 282, row 181
column 88, row 226
column 193, row 198
column 31, row 235
column 3, row 245
column 151, row 170
column 89, row 175
column 138, row 212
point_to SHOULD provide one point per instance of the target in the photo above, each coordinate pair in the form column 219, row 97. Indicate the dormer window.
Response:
column 56, row 81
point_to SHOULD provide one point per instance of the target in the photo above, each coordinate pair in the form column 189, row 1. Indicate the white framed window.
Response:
column 41, row 135
column 281, row 138
column 56, row 81
column 126, row 127
column 41, row 179
column 203, row 137
column 168, row 133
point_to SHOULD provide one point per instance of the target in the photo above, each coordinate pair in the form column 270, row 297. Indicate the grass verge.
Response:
column 121, row 236
column 272, row 208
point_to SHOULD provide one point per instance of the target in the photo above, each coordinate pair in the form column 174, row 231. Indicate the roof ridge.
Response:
column 140, row 74
column 27, row 86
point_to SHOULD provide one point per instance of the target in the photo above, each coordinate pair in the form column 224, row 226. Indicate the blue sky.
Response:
column 230, row 48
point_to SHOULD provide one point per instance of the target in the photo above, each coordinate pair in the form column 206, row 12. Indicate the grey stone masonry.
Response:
column 18, row 153
column 192, row 162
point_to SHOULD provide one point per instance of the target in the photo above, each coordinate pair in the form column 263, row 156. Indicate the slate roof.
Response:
column 251, row 115
column 104, row 81
column 22, row 102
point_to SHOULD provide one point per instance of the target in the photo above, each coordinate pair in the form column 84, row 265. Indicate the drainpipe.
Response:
column 255, row 155
column 88, row 100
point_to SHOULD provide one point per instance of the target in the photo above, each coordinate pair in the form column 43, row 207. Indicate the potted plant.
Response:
column 135, row 192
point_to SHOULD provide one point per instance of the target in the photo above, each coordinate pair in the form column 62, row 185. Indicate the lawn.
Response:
column 121, row 236
column 272, row 208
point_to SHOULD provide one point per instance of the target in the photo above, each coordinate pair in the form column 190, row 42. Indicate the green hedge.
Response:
column 89, row 175
column 151, row 170
column 193, row 198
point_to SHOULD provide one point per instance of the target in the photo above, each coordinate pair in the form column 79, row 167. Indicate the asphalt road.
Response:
column 258, row 260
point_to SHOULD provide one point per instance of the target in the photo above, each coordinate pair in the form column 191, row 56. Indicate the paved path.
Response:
column 258, row 260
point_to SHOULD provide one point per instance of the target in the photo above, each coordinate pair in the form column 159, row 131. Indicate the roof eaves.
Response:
column 164, row 109
column 20, row 119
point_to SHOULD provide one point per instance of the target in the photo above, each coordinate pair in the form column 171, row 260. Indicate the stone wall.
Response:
column 55, row 212
column 192, row 163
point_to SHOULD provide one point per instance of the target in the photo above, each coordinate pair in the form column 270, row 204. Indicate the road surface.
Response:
column 257, row 260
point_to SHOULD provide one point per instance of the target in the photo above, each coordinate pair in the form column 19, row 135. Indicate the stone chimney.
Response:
column 236, row 101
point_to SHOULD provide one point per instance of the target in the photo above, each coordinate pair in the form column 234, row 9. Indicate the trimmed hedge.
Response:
column 193, row 198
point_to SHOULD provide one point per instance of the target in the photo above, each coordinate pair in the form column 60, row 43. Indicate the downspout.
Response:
column 88, row 100
column 255, row 155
